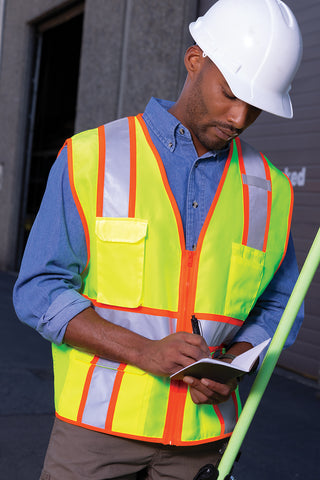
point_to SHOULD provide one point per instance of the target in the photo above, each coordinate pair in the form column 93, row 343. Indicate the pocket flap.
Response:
column 123, row 230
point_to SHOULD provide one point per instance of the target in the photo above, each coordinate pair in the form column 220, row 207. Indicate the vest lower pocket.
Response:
column 244, row 280
column 141, row 404
column 120, row 260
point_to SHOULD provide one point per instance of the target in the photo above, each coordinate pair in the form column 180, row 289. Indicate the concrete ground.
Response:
column 281, row 444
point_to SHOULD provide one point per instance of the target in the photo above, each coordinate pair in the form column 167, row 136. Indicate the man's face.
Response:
column 213, row 114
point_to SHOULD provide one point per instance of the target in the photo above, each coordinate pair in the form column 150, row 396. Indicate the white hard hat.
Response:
column 257, row 46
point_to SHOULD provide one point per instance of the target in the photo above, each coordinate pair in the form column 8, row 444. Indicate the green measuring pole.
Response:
column 301, row 287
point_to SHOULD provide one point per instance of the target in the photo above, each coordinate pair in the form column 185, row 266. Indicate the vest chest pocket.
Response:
column 244, row 280
column 120, row 245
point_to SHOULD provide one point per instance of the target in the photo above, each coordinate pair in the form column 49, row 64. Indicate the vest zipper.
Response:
column 178, row 389
column 187, row 293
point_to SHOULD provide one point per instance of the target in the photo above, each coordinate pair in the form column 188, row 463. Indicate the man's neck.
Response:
column 177, row 112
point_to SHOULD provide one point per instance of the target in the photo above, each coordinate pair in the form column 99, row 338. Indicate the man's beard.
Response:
column 196, row 110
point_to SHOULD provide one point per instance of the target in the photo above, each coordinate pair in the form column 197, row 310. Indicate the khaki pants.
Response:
column 75, row 453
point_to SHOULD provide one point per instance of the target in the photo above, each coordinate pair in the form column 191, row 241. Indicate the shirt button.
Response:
column 181, row 131
column 196, row 165
column 195, row 204
column 170, row 145
column 194, row 246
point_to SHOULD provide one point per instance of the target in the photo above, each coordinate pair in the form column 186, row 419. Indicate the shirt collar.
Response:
column 165, row 126
column 161, row 122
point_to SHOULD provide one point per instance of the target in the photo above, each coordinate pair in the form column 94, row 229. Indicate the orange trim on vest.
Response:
column 77, row 201
column 220, row 417
column 170, row 314
column 236, row 406
column 146, row 310
column 215, row 199
column 101, row 170
column 186, row 294
column 289, row 221
column 268, row 177
column 114, row 396
column 245, row 195
column 219, row 318
column 165, row 181
column 141, row 438
column 174, row 418
column 133, row 167
column 178, row 390
column 86, row 388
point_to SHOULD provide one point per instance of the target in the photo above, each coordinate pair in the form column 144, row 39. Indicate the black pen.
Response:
column 195, row 325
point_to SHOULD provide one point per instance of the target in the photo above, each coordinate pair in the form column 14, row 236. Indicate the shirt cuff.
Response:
column 52, row 325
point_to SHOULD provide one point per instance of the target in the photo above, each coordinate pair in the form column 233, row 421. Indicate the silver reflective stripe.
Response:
column 258, row 187
column 256, row 182
column 157, row 327
column 216, row 333
column 102, row 362
column 99, row 394
column 117, row 169
column 150, row 326
column 105, row 371
column 228, row 412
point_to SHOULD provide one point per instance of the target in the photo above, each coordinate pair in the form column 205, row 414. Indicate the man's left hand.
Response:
column 205, row 391
column 210, row 392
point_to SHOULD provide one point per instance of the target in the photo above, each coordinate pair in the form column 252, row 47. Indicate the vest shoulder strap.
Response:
column 259, row 190
column 117, row 168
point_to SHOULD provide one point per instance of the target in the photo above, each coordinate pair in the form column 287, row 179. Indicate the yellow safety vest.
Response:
column 139, row 275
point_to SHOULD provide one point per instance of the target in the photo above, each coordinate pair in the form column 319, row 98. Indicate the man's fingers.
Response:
column 192, row 352
column 208, row 391
column 171, row 353
column 198, row 342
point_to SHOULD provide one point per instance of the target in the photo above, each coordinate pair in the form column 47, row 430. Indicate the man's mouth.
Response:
column 225, row 134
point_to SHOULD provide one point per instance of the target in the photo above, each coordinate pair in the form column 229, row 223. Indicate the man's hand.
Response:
column 210, row 392
column 170, row 354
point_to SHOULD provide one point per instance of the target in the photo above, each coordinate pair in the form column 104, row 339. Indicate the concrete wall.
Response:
column 132, row 50
column 14, row 94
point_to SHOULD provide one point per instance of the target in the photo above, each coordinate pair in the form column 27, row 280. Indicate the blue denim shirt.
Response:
column 46, row 293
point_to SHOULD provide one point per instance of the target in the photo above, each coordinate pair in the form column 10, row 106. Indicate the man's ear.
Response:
column 193, row 59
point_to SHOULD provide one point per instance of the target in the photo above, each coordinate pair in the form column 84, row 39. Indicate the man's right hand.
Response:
column 168, row 355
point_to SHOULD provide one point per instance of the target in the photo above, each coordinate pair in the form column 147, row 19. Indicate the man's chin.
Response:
column 216, row 145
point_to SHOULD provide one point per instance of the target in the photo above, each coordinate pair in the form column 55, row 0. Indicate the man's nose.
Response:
column 241, row 115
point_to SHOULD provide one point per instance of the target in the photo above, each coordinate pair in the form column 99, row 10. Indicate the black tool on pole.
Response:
column 211, row 472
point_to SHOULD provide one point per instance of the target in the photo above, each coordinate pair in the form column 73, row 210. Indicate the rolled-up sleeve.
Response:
column 46, row 294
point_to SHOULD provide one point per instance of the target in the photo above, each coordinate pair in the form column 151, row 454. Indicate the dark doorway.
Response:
column 52, row 107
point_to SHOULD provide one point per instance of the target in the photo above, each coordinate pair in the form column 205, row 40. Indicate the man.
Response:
column 147, row 223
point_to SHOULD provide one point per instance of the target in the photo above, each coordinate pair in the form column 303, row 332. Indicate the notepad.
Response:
column 220, row 371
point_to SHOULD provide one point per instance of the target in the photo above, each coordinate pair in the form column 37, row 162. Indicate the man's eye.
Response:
column 231, row 97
